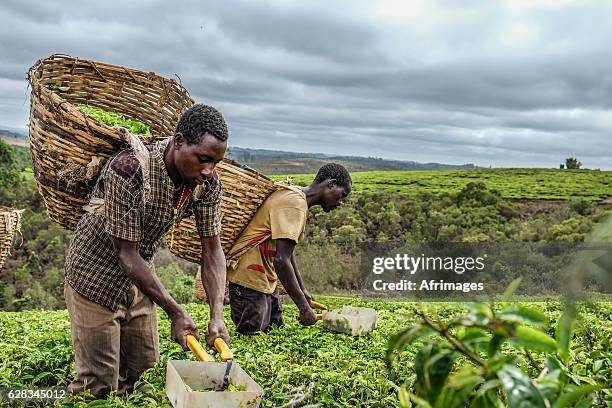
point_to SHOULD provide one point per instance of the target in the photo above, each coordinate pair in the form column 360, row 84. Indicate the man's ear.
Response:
column 331, row 183
column 179, row 139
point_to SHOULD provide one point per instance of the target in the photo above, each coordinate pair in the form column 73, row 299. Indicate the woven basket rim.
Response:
column 247, row 168
column 74, row 110
column 130, row 71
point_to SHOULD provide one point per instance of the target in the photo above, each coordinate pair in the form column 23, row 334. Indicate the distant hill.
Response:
column 14, row 136
column 511, row 183
column 281, row 162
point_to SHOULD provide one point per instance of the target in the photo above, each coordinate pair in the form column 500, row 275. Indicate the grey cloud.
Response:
column 472, row 82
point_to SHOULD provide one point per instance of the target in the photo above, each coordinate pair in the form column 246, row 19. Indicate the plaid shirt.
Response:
column 92, row 267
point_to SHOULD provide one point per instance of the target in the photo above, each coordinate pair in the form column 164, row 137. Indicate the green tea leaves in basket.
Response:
column 115, row 119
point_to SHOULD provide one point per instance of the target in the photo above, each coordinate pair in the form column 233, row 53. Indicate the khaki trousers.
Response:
column 112, row 349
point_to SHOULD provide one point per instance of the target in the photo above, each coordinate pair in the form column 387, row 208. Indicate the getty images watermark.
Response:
column 477, row 271
column 408, row 264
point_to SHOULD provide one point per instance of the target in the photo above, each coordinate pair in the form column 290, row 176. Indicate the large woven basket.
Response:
column 69, row 147
column 9, row 224
column 243, row 192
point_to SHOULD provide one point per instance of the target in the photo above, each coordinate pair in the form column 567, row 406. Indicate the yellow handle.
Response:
column 196, row 348
column 320, row 316
column 317, row 305
column 223, row 349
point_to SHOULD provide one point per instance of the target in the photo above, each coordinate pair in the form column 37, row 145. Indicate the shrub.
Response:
column 475, row 360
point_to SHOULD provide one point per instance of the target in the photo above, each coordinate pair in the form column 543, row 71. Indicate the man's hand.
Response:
column 216, row 328
column 182, row 325
column 307, row 317
column 307, row 295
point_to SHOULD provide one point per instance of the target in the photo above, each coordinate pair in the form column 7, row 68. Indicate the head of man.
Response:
column 334, row 184
column 199, row 143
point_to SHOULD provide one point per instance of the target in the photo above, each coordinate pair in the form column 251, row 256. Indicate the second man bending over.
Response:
column 267, row 245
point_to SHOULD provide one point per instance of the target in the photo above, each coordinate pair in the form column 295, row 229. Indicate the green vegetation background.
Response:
column 339, row 370
column 447, row 206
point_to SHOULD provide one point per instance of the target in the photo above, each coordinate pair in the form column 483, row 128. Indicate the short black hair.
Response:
column 199, row 120
column 334, row 171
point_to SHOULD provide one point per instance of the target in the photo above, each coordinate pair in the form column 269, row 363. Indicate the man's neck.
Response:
column 312, row 192
column 171, row 167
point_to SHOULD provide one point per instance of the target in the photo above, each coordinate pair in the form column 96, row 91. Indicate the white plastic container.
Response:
column 207, row 375
column 350, row 320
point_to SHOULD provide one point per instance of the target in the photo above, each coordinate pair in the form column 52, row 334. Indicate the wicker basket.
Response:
column 69, row 147
column 9, row 224
column 243, row 192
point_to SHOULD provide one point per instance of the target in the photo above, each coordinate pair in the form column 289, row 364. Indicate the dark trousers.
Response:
column 254, row 311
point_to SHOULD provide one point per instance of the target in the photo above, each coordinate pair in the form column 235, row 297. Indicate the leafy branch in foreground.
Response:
column 473, row 361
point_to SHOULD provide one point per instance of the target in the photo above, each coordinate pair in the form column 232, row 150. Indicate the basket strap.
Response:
column 232, row 258
column 288, row 185
column 143, row 156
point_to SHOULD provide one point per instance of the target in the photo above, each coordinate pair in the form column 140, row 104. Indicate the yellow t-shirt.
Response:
column 282, row 215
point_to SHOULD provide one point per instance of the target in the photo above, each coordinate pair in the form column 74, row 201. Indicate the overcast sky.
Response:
column 515, row 83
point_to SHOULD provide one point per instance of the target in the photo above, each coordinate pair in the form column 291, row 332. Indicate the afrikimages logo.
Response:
column 406, row 265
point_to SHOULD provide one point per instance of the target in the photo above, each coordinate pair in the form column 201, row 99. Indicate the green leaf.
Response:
column 512, row 287
column 480, row 309
column 398, row 342
column 458, row 388
column 585, row 403
column 488, row 399
column 421, row 403
column 404, row 397
column 432, row 366
column 495, row 344
column 552, row 364
column 568, row 399
column 41, row 376
column 520, row 390
column 533, row 339
column 475, row 338
column 564, row 331
column 98, row 403
column 597, row 365
column 488, row 386
column 114, row 119
column 523, row 314
column 474, row 335
column 550, row 385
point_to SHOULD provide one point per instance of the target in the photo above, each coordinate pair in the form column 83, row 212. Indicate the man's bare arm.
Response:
column 298, row 276
column 213, row 272
column 286, row 274
column 148, row 283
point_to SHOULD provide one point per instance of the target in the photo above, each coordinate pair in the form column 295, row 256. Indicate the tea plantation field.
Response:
column 339, row 370
column 549, row 184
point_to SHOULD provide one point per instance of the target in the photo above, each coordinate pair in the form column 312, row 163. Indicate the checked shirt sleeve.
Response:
column 207, row 210
column 122, row 207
